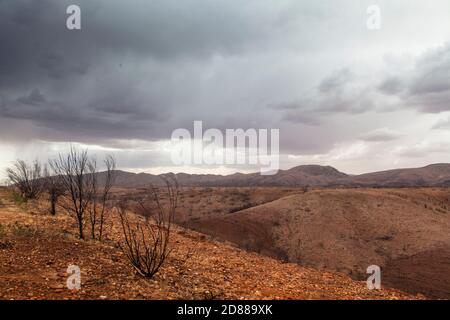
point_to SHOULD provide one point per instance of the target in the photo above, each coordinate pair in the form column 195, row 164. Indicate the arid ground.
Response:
column 36, row 249
column 405, row 231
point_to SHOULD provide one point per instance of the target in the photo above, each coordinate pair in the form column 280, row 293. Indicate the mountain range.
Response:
column 434, row 175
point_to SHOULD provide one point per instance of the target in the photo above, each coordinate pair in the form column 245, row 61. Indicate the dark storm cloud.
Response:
column 140, row 69
column 427, row 87
column 433, row 70
column 161, row 29
column 34, row 98
column 337, row 93
column 430, row 88
column 63, row 123
column 130, row 65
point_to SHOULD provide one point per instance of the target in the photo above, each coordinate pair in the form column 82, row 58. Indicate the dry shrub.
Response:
column 146, row 243
column 26, row 178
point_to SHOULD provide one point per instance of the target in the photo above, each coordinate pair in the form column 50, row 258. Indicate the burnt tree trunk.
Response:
column 53, row 201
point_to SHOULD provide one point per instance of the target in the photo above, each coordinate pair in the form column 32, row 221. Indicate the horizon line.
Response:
column 300, row 165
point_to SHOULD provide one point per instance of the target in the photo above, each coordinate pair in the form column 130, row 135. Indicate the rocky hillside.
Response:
column 347, row 230
column 36, row 249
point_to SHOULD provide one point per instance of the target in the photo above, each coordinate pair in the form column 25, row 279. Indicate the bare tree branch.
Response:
column 146, row 245
column 27, row 178
column 99, row 204
column 55, row 188
column 73, row 169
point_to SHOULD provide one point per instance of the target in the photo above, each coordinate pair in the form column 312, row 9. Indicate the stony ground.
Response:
column 405, row 231
column 36, row 249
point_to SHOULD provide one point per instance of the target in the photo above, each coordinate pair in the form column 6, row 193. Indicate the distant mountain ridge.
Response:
column 303, row 175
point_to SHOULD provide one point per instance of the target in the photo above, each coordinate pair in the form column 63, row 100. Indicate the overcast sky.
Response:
column 360, row 100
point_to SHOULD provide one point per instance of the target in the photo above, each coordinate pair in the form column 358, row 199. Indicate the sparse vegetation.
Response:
column 27, row 178
column 98, row 207
column 22, row 230
column 213, row 270
column 146, row 244
column 280, row 225
column 78, row 175
column 54, row 186
column 241, row 207
column 17, row 198
column 74, row 172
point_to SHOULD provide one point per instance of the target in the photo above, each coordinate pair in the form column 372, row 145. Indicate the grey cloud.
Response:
column 286, row 106
column 420, row 150
column 430, row 88
column 392, row 85
column 80, row 124
column 443, row 124
column 140, row 65
column 433, row 70
column 335, row 81
column 140, row 69
column 301, row 118
column 379, row 135
column 338, row 93
column 34, row 98
column 353, row 102
column 427, row 87
column 429, row 103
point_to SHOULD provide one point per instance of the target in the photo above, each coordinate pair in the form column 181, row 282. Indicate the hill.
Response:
column 36, row 249
column 431, row 175
column 347, row 230
column 305, row 175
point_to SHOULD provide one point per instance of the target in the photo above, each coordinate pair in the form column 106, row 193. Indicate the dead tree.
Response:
column 92, row 207
column 27, row 178
column 146, row 244
column 73, row 169
column 55, row 188
column 99, row 205
column 110, row 164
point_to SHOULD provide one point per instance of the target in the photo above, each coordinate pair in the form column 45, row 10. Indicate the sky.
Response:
column 341, row 94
